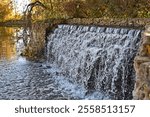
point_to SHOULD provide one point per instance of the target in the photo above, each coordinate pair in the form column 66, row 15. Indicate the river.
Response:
column 21, row 79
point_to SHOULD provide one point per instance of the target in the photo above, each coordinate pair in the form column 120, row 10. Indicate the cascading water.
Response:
column 98, row 58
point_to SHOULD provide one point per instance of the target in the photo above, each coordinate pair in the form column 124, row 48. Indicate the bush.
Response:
column 76, row 9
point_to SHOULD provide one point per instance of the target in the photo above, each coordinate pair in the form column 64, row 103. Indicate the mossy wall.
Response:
column 130, row 22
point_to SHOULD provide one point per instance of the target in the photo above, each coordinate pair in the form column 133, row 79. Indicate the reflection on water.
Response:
column 9, row 43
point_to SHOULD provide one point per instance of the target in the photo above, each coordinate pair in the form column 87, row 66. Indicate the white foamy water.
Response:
column 97, row 59
column 70, row 89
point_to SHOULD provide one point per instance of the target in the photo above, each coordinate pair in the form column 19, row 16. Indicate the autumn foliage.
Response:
column 82, row 9
column 5, row 10
column 97, row 8
column 108, row 8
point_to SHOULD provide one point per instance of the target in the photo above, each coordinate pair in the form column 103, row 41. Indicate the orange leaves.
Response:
column 5, row 9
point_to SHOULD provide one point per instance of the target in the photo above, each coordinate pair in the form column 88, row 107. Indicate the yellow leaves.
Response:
column 148, row 49
column 144, row 13
column 5, row 10
column 78, row 8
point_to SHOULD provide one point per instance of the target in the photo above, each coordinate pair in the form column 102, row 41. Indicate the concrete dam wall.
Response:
column 98, row 58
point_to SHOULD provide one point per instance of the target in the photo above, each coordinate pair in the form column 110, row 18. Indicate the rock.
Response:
column 48, row 67
column 142, row 68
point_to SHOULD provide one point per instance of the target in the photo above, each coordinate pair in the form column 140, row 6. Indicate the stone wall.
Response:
column 142, row 68
column 36, row 37
column 136, row 22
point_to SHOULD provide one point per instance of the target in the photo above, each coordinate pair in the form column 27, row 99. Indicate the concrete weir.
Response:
column 98, row 58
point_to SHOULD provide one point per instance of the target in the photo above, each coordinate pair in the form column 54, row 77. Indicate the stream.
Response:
column 82, row 63
column 21, row 79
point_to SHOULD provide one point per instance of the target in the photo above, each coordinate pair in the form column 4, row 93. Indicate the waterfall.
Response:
column 98, row 58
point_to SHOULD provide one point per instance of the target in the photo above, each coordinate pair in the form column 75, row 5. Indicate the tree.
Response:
column 5, row 10
column 29, row 9
column 76, row 9
column 96, row 8
column 90, row 8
